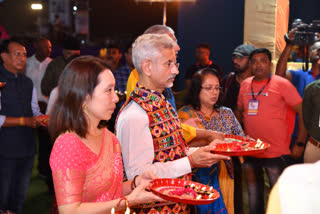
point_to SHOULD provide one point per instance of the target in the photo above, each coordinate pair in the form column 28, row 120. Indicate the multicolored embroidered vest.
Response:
column 168, row 141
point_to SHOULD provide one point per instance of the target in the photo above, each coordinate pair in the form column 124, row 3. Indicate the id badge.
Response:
column 253, row 107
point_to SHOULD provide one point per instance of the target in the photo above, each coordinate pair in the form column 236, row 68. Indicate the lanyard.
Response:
column 252, row 93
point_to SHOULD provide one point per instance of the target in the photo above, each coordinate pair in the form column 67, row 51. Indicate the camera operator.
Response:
column 299, row 78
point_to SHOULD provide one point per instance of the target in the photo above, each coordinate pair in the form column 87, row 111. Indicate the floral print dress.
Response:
column 220, row 175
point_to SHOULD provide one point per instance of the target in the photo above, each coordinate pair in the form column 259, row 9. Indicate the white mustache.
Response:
column 172, row 76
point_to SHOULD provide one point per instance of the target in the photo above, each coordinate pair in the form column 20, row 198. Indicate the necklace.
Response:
column 211, row 114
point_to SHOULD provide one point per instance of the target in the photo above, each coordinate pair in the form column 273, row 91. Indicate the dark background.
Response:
column 219, row 23
column 125, row 18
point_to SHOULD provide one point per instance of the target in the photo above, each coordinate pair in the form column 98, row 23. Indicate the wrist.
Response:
column 21, row 121
column 125, row 204
column 191, row 161
column 134, row 182
column 131, row 200
column 288, row 41
column 207, row 135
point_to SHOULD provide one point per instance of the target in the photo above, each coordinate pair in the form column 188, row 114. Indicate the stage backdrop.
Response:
column 266, row 22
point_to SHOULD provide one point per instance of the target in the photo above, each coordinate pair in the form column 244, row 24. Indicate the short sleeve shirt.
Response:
column 301, row 79
column 270, row 124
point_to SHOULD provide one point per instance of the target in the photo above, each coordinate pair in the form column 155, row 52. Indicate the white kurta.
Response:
column 299, row 189
column 35, row 71
column 137, row 146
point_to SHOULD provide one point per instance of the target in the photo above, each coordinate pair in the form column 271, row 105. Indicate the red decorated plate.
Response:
column 2, row 84
column 240, row 146
column 182, row 191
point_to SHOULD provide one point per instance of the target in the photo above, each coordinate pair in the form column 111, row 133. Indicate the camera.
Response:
column 306, row 33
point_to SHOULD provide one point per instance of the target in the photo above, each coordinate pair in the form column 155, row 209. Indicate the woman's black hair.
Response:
column 192, row 98
column 78, row 79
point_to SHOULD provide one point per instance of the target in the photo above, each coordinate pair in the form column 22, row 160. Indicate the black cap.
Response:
column 243, row 50
column 71, row 43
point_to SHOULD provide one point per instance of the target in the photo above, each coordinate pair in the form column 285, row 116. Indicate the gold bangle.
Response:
column 126, row 202
column 21, row 121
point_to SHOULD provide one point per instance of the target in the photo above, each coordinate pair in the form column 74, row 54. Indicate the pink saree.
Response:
column 81, row 175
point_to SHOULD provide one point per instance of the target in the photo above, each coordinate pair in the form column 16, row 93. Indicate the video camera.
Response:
column 305, row 34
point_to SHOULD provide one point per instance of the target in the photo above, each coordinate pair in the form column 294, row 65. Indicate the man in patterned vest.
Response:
column 148, row 127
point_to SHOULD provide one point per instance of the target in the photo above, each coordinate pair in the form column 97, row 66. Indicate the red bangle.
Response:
column 191, row 161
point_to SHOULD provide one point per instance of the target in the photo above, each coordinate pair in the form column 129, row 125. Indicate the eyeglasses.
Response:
column 211, row 88
column 18, row 54
column 170, row 64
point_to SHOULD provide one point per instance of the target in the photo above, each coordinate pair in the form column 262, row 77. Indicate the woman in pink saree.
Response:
column 86, row 158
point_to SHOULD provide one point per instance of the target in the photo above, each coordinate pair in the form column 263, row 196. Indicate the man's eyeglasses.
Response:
column 170, row 64
column 211, row 88
column 18, row 54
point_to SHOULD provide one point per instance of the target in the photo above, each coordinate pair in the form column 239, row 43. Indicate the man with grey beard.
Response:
column 149, row 125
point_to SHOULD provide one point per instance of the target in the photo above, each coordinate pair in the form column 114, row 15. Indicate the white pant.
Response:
column 311, row 153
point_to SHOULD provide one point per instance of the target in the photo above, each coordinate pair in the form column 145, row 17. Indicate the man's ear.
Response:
column 146, row 66
column 4, row 56
column 318, row 62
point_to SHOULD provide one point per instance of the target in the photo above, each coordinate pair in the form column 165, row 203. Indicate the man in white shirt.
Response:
column 148, row 127
column 36, row 67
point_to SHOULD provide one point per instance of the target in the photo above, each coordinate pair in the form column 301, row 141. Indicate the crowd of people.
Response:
column 107, row 127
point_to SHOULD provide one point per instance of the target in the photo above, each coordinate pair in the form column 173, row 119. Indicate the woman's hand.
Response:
column 145, row 177
column 140, row 195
